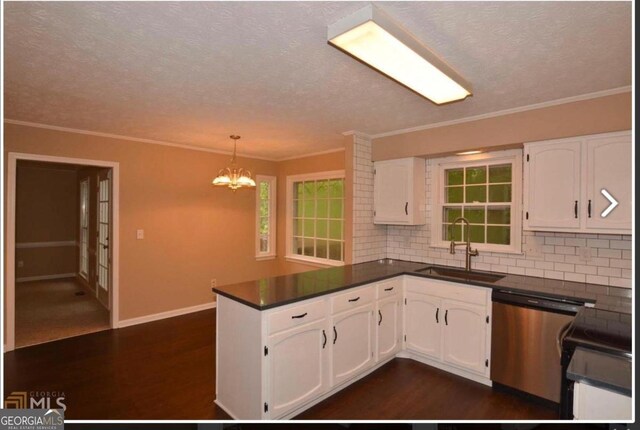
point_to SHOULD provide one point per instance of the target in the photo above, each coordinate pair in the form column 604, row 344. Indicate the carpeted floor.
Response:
column 50, row 310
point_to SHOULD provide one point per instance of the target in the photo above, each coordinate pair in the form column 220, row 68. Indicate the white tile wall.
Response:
column 369, row 240
column 559, row 258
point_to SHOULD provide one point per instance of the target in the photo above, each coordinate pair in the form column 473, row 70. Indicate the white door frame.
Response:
column 10, row 249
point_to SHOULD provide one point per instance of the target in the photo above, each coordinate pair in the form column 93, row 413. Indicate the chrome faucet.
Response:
column 452, row 246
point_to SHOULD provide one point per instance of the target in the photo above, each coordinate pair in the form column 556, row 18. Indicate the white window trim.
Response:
column 271, row 254
column 290, row 256
column 84, row 275
column 439, row 165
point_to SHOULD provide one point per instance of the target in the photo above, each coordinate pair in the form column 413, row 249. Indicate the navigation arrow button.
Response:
column 613, row 203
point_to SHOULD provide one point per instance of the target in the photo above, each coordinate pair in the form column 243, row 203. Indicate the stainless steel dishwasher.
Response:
column 526, row 341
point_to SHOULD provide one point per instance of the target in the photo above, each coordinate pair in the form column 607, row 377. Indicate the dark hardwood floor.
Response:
column 165, row 370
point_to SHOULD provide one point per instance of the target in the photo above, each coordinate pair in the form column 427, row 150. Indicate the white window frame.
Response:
column 271, row 253
column 84, row 212
column 439, row 165
column 290, row 256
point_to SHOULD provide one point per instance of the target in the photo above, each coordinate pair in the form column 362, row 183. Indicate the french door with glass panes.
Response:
column 103, row 233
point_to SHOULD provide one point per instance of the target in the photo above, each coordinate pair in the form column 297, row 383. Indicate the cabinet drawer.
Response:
column 389, row 288
column 296, row 315
column 449, row 290
column 352, row 299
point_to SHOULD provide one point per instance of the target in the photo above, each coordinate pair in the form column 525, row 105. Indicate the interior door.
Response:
column 552, row 181
column 609, row 168
column 423, row 318
column 103, row 233
column 351, row 343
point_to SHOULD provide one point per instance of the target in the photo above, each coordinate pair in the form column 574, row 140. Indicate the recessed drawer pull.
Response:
column 389, row 289
column 355, row 300
column 299, row 316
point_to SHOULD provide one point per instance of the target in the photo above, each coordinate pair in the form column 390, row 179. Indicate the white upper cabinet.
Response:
column 608, row 162
column 552, row 184
column 399, row 191
column 564, row 181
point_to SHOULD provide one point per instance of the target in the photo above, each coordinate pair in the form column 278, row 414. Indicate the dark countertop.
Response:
column 269, row 293
column 601, row 370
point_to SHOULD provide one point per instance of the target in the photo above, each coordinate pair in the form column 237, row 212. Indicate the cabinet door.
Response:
column 423, row 319
column 391, row 187
column 552, row 185
column 388, row 328
column 351, row 343
column 609, row 167
column 297, row 367
column 464, row 333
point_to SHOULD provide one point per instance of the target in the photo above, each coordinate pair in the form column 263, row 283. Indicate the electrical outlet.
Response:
column 20, row 263
column 214, row 283
column 139, row 234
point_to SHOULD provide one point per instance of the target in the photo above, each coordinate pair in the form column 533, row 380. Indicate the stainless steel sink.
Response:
column 471, row 275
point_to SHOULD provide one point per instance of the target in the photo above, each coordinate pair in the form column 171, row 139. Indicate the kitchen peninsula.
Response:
column 286, row 343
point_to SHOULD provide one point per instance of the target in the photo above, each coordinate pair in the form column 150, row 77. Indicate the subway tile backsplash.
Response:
column 593, row 258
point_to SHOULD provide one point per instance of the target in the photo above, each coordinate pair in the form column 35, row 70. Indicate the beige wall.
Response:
column 193, row 231
column 46, row 211
column 598, row 115
column 317, row 163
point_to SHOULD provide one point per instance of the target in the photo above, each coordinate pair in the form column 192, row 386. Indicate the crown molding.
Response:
column 357, row 133
column 133, row 139
column 313, row 154
column 550, row 103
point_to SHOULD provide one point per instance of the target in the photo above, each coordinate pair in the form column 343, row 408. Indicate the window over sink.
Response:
column 486, row 189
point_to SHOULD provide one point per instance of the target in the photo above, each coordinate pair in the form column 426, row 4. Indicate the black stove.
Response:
column 596, row 329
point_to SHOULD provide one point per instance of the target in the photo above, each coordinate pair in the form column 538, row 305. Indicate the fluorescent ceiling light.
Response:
column 374, row 38
column 468, row 152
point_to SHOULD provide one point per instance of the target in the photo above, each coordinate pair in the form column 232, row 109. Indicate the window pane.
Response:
column 500, row 193
column 264, row 225
column 298, row 245
column 476, row 194
column 322, row 208
column 476, row 175
column 454, row 176
column 309, row 208
column 335, row 229
column 336, row 188
column 297, row 208
column 335, row 208
column 450, row 214
column 264, row 244
column 476, row 233
column 474, row 215
column 321, row 229
column 309, row 189
column 335, row 250
column 322, row 189
column 309, row 229
column 264, row 208
column 500, row 173
column 499, row 215
column 498, row 235
column 454, row 195
column 297, row 227
column 321, row 248
column 264, row 190
column 454, row 233
column 308, row 247
column 297, row 190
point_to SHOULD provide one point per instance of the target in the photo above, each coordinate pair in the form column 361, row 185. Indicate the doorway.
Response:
column 62, row 248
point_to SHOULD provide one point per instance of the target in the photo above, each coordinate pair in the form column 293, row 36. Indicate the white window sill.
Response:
column 265, row 257
column 316, row 262
column 480, row 248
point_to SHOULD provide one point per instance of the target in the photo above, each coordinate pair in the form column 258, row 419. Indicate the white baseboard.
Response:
column 45, row 277
column 167, row 314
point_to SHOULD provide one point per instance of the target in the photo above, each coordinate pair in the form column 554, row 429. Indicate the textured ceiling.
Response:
column 193, row 73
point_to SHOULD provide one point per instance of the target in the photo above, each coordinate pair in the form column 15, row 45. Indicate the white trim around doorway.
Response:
column 12, row 160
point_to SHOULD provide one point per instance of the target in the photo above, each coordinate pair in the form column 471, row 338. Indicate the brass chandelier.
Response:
column 233, row 176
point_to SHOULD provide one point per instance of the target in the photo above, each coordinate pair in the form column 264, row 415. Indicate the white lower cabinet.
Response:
column 422, row 325
column 388, row 341
column 297, row 366
column 464, row 335
column 352, row 343
column 593, row 403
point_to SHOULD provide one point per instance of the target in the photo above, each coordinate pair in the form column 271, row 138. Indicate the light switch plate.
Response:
column 139, row 234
